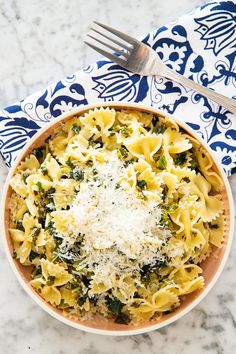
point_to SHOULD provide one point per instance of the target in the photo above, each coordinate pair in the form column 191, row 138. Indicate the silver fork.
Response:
column 139, row 58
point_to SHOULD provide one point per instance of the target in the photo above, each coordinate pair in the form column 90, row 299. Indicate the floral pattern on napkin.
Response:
column 200, row 45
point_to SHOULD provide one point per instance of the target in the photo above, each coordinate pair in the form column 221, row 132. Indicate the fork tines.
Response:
column 120, row 45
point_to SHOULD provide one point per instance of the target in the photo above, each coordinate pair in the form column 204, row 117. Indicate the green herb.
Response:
column 51, row 190
column 75, row 128
column 33, row 255
column 165, row 190
column 148, row 270
column 181, row 158
column 44, row 170
column 94, row 300
column 114, row 305
column 77, row 174
column 130, row 161
column 39, row 152
column 51, row 280
column 40, row 187
column 70, row 163
column 123, row 151
column 75, row 285
column 112, row 131
column 98, row 143
column 213, row 226
column 156, row 158
column 55, row 255
column 35, row 233
column 98, row 127
column 19, row 226
column 81, row 300
column 52, row 229
column 14, row 254
column 63, row 304
column 147, row 129
column 89, row 163
column 164, row 219
column 185, row 179
column 161, row 129
column 37, row 271
column 162, row 162
column 142, row 184
column 172, row 207
column 25, row 175
column 122, row 318
column 194, row 165
column 117, row 186
column 126, row 131
column 64, row 176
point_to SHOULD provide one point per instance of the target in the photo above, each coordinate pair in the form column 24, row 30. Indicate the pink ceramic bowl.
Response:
column 212, row 266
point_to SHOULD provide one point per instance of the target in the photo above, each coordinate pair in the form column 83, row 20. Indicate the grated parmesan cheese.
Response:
column 118, row 229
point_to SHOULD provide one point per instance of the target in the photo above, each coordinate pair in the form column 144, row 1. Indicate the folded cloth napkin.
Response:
column 200, row 45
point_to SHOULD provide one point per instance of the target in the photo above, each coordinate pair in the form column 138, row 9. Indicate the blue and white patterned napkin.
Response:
column 200, row 45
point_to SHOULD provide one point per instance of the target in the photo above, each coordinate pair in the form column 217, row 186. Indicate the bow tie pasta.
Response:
column 114, row 213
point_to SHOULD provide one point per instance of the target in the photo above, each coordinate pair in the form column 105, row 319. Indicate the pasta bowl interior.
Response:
column 117, row 219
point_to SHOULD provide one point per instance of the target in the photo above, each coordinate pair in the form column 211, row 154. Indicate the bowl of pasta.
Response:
column 117, row 218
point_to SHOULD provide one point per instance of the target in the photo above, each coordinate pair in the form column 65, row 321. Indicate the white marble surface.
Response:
column 41, row 41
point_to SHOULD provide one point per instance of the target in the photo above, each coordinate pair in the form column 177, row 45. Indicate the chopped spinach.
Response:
column 24, row 176
column 89, row 163
column 77, row 174
column 122, row 318
column 142, row 184
column 185, row 179
column 81, row 300
column 130, row 161
column 164, row 219
column 44, row 170
column 181, row 159
column 19, row 226
column 165, row 190
column 39, row 152
column 194, row 165
column 70, row 163
column 171, row 207
column 126, row 131
column 213, row 226
column 35, row 233
column 75, row 128
column 50, row 191
column 161, row 129
column 114, row 305
column 37, row 271
column 51, row 280
column 33, row 255
column 98, row 127
column 162, row 162
column 52, row 229
column 40, row 187
column 64, row 176
column 111, row 131
column 123, row 151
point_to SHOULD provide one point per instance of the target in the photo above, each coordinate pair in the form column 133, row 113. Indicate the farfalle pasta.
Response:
column 114, row 213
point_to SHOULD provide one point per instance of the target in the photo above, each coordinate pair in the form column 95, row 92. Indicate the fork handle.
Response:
column 224, row 101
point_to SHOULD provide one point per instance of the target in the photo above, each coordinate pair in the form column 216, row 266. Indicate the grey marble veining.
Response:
column 41, row 41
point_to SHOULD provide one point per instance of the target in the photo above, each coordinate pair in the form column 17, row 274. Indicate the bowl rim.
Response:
column 31, row 292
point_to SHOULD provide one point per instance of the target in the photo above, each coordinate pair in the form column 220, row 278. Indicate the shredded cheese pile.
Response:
column 115, row 225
